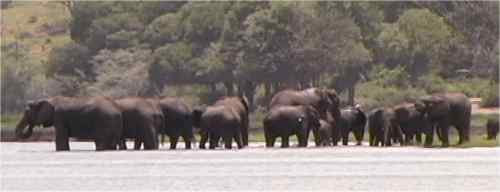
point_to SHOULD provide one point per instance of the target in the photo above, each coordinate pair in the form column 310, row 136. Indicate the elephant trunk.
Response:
column 20, row 129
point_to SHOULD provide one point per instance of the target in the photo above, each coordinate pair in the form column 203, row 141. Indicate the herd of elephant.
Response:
column 110, row 122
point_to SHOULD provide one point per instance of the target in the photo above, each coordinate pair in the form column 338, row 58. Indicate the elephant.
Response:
column 352, row 119
column 443, row 110
column 323, row 100
column 325, row 133
column 141, row 121
column 284, row 121
column 411, row 121
column 226, row 118
column 382, row 127
column 178, row 121
column 97, row 118
column 492, row 129
column 240, row 105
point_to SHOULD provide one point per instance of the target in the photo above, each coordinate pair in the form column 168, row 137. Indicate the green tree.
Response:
column 70, row 60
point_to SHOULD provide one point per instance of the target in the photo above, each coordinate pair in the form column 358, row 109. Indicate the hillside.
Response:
column 39, row 26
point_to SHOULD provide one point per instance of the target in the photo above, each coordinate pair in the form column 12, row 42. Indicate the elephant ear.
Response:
column 313, row 115
column 244, row 101
column 197, row 112
column 44, row 112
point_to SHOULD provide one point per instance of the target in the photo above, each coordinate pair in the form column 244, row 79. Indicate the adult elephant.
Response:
column 97, row 118
column 226, row 119
column 492, row 129
column 382, row 127
column 240, row 106
column 141, row 122
column 323, row 100
column 352, row 119
column 284, row 121
column 443, row 110
column 411, row 121
column 178, row 121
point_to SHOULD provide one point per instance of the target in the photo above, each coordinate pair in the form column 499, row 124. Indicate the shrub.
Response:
column 371, row 95
column 470, row 87
column 490, row 97
column 432, row 83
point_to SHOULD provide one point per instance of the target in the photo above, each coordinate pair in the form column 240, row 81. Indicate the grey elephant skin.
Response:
column 97, row 118
column 411, row 121
column 325, row 133
column 382, row 127
column 140, row 122
column 353, row 120
column 492, row 129
column 178, row 121
column 226, row 118
column 285, row 121
column 444, row 110
column 323, row 100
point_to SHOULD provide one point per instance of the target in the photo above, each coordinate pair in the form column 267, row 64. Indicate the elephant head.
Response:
column 197, row 112
column 329, row 101
column 433, row 106
column 244, row 101
column 313, row 117
column 39, row 112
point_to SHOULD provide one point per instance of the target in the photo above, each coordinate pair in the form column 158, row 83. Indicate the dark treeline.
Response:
column 258, row 48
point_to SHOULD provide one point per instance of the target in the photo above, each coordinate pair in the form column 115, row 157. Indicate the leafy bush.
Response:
column 432, row 83
column 121, row 73
column 490, row 97
column 470, row 87
column 371, row 95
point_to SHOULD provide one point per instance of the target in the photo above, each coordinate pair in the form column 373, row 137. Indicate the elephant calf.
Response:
column 382, row 127
column 352, row 119
column 492, row 128
column 325, row 133
column 411, row 121
column 284, row 121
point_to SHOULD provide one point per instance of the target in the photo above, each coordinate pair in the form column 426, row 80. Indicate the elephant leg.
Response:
column 345, row 138
column 203, row 139
column 123, row 144
column 187, row 141
column 228, row 142
column 418, row 138
column 62, row 142
column 444, row 136
column 284, row 142
column 270, row 142
column 173, row 141
column 214, row 141
column 238, row 140
column 267, row 137
column 429, row 136
column 244, row 133
column 371, row 140
column 137, row 143
column 317, row 139
column 359, row 137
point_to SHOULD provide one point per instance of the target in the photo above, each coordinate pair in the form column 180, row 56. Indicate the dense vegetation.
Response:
column 385, row 52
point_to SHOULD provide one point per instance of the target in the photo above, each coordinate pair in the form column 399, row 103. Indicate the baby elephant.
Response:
column 325, row 133
column 492, row 128
column 284, row 121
